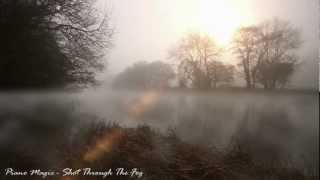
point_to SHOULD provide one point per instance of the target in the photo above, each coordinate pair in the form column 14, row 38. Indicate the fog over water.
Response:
column 275, row 124
column 162, row 87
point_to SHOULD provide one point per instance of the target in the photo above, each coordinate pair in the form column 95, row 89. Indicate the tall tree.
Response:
column 266, row 53
column 197, row 54
column 246, row 46
column 47, row 43
column 279, row 42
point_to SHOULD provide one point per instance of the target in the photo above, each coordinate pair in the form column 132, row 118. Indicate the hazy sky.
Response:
column 146, row 29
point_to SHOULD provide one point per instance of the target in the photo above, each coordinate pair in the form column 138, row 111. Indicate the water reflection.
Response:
column 271, row 125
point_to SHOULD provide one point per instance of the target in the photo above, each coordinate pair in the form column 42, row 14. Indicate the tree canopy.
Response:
column 144, row 75
column 50, row 43
column 267, row 53
column 199, row 62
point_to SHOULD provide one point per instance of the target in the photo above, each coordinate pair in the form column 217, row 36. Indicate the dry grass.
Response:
column 163, row 157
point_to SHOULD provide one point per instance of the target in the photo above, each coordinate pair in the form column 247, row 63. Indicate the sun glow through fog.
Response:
column 217, row 18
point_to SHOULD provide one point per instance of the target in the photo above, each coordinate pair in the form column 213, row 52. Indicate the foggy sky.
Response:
column 145, row 30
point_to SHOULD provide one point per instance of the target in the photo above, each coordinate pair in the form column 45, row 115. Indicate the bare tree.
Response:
column 266, row 53
column 197, row 57
column 279, row 42
column 220, row 73
column 52, row 42
column 246, row 46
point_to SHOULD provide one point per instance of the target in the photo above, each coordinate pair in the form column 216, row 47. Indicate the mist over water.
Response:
column 278, row 125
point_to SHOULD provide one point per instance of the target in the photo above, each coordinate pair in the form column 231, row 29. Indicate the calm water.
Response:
column 282, row 125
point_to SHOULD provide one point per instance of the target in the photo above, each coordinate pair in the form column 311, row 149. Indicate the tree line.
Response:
column 55, row 43
column 265, row 54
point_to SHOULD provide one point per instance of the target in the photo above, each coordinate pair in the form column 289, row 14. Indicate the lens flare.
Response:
column 103, row 145
column 144, row 103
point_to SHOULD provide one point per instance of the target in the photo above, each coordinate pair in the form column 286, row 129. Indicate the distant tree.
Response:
column 47, row 43
column 143, row 75
column 266, row 53
column 220, row 73
column 197, row 57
